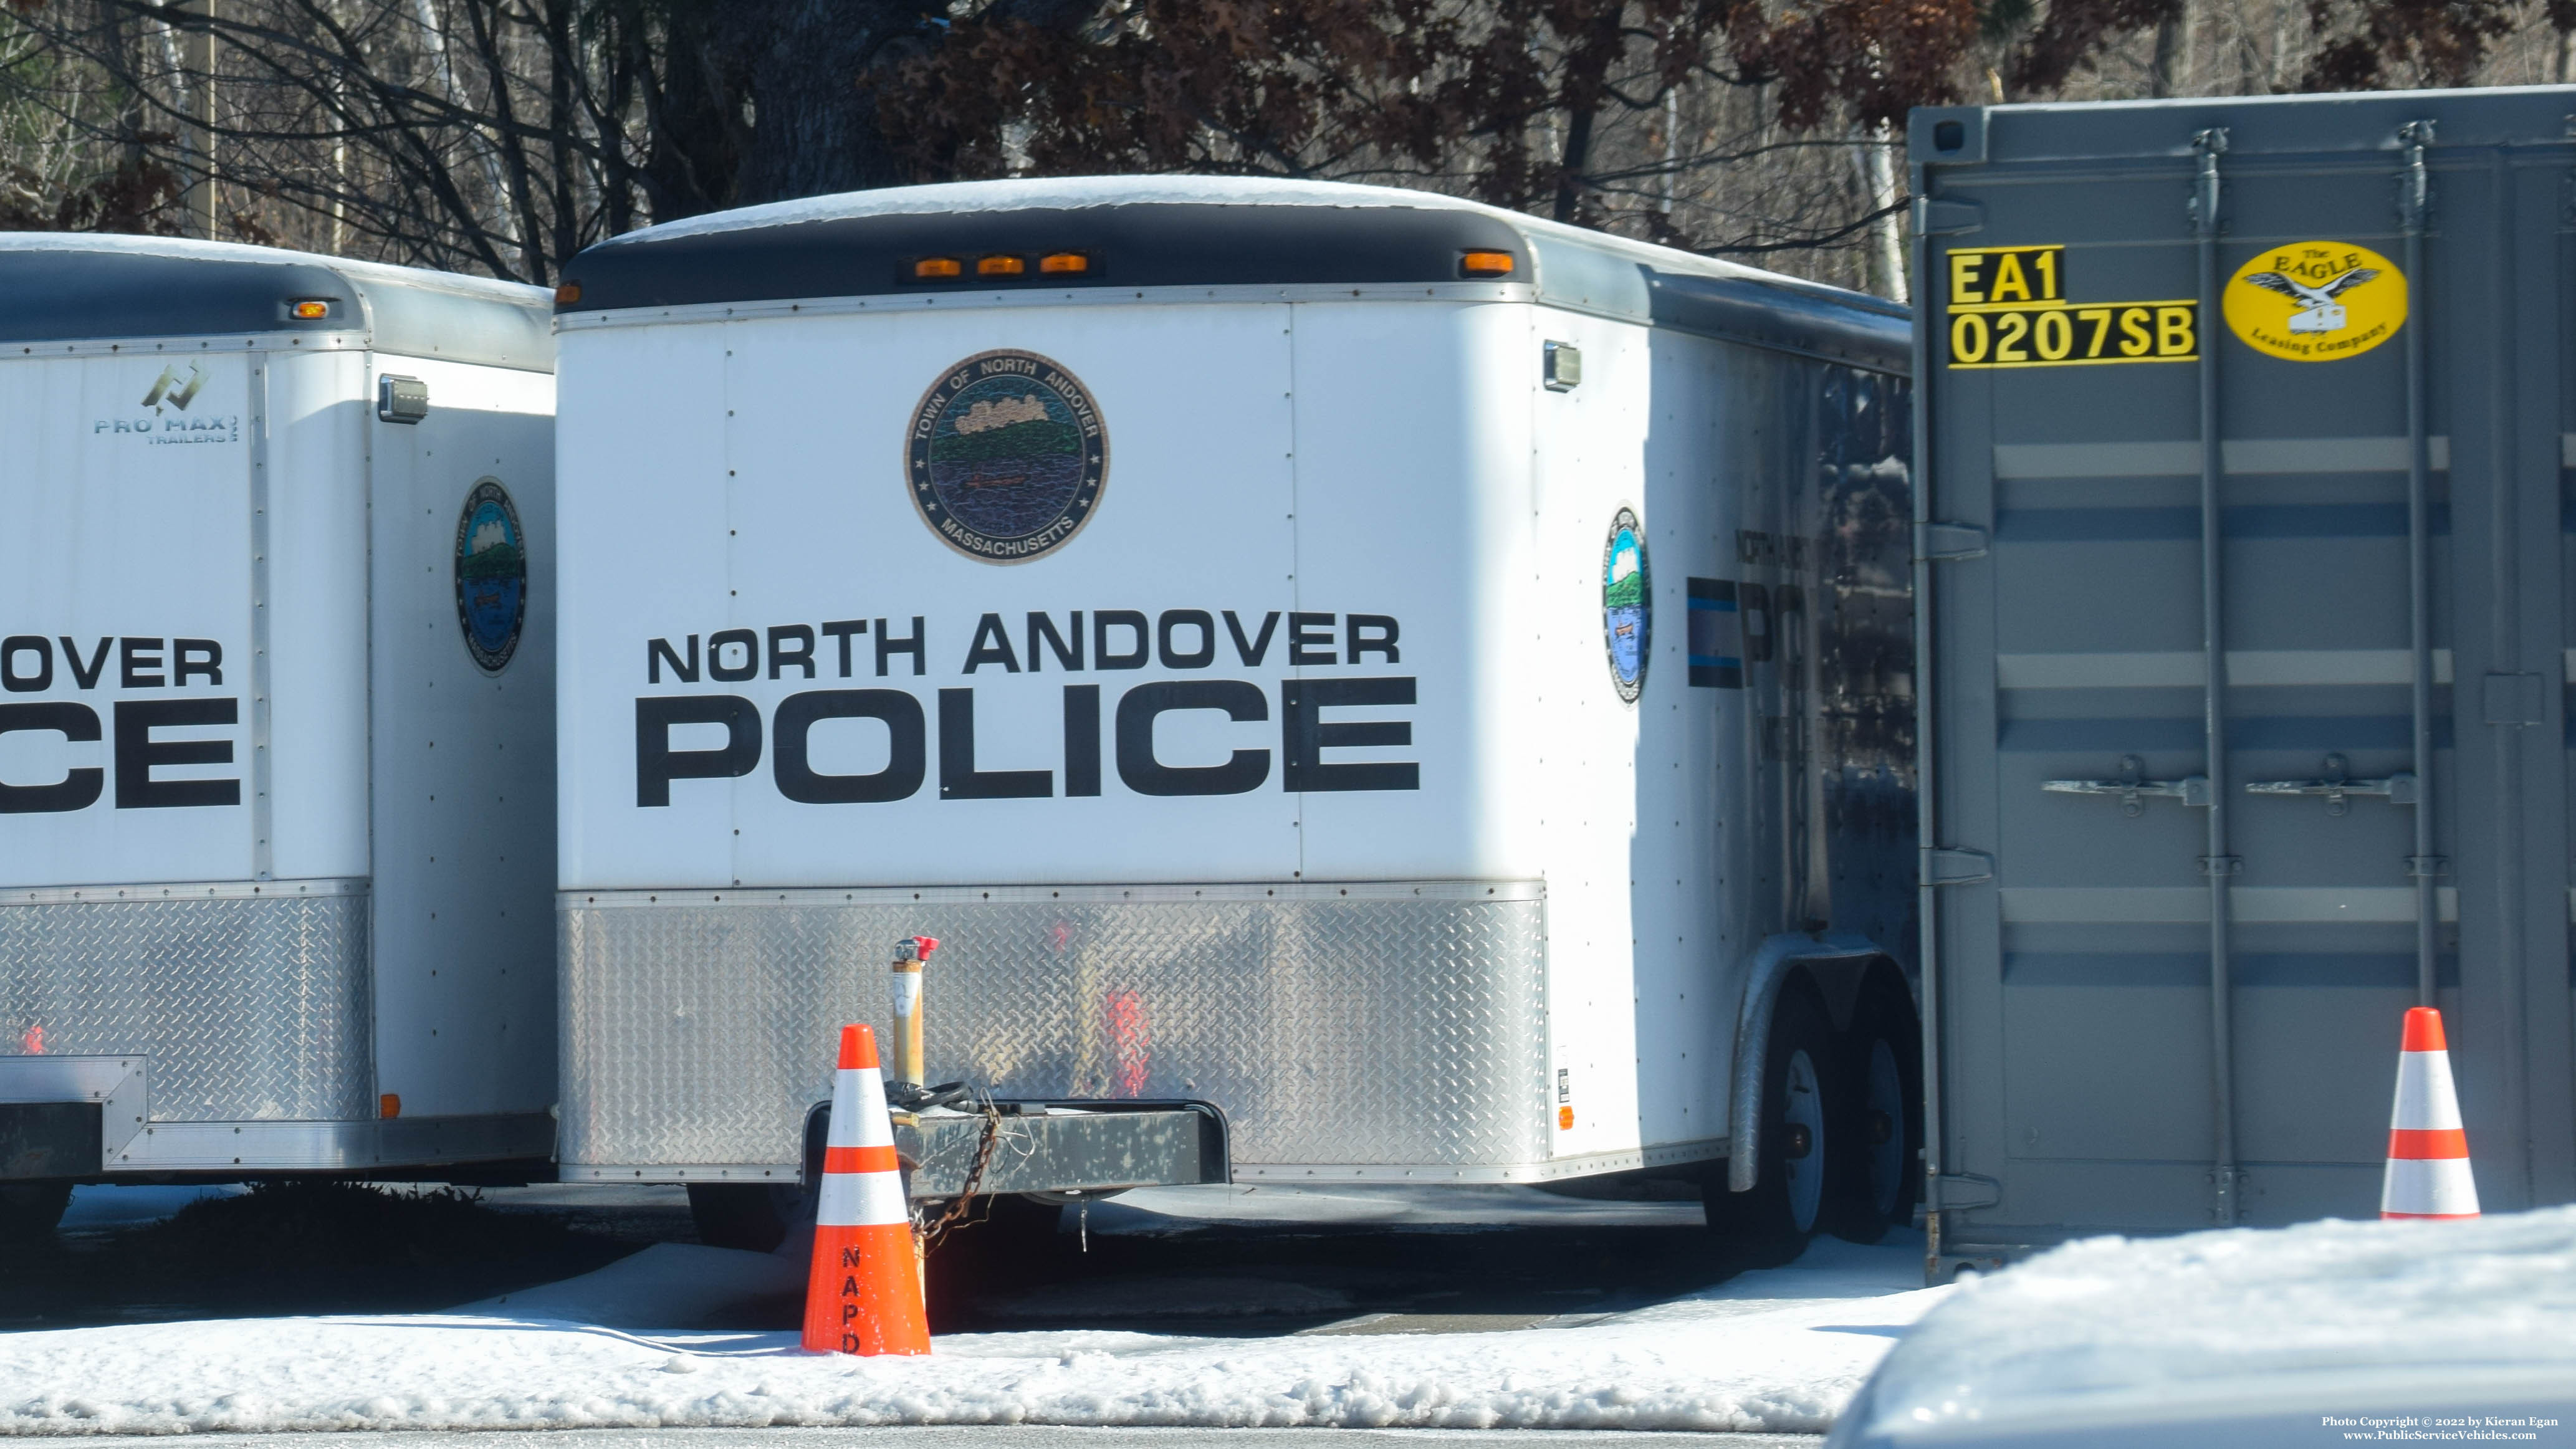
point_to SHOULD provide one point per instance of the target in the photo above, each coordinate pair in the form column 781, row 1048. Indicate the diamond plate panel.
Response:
column 1396, row 1025
column 250, row 1008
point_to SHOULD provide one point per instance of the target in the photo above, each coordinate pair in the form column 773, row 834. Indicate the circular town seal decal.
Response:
column 2316, row 301
column 1627, row 604
column 1006, row 456
column 491, row 576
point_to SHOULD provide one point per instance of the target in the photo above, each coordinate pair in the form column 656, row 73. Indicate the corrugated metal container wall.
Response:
column 2261, row 405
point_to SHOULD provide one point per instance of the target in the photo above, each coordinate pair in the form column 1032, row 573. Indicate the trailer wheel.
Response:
column 753, row 1216
column 31, row 1210
column 1883, row 1061
column 1801, row 1092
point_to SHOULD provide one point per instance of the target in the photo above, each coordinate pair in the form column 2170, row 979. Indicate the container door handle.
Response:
column 2134, row 788
column 2338, row 787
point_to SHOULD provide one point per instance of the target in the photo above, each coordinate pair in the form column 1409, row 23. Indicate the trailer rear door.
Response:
column 2121, row 385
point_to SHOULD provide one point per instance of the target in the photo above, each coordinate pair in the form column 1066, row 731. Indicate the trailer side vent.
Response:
column 401, row 399
column 1564, row 366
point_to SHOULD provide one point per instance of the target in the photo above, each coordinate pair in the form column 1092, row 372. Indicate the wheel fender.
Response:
column 1771, row 966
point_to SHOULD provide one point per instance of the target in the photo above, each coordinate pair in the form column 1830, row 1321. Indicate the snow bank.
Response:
column 2285, row 1326
column 1780, row 1350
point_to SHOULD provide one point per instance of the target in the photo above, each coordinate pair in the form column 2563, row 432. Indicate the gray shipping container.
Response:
column 2244, row 550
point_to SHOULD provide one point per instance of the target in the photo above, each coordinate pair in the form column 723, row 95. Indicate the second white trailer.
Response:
column 1431, row 684
column 276, row 717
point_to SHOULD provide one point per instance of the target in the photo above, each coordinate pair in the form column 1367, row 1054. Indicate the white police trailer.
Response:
column 276, row 741
column 1429, row 685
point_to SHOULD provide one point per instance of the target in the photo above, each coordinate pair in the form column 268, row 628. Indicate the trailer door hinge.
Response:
column 1949, row 542
column 1953, row 866
column 1958, row 1191
column 1936, row 217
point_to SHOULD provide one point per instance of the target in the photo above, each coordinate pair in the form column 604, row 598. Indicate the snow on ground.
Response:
column 1777, row 1350
column 2170, row 1339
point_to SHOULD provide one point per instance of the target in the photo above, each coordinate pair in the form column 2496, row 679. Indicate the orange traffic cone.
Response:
column 864, row 1295
column 2428, row 1153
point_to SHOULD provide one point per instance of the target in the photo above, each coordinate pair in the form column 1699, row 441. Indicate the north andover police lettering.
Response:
column 70, row 666
column 1312, row 729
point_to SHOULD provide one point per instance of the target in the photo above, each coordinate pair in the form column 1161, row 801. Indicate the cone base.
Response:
column 864, row 1294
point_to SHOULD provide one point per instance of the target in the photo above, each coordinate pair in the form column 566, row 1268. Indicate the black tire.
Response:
column 1802, row 1090
column 1883, row 1063
column 754, row 1217
column 30, row 1211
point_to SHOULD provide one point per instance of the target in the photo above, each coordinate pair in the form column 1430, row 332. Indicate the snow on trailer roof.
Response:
column 77, row 287
column 1210, row 231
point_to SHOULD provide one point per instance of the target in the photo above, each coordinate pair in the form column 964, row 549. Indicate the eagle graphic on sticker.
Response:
column 1627, row 604
column 2316, row 301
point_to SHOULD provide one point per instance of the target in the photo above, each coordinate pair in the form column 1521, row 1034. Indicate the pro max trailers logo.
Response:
column 1006, row 456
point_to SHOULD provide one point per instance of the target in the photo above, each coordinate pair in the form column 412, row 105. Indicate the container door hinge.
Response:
column 2134, row 789
column 1948, row 542
column 1959, row 1191
column 1935, row 217
column 1953, row 866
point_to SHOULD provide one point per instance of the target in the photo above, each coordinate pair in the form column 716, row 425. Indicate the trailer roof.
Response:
column 80, row 287
column 1207, row 231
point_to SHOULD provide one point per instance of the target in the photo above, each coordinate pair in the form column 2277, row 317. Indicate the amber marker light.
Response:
column 310, row 311
column 567, row 294
column 1001, row 266
column 937, row 269
column 1486, row 264
column 389, row 1105
column 1064, row 263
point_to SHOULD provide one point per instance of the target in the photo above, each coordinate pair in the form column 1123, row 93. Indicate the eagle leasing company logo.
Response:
column 1006, row 456
column 2008, row 308
column 2316, row 301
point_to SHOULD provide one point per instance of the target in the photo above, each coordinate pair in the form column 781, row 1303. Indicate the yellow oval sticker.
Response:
column 2316, row 301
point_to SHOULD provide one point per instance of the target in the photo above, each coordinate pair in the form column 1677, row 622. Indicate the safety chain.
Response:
column 938, row 1229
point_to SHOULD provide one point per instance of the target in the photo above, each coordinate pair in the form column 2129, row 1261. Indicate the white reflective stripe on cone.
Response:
column 861, row 1200
column 859, row 1110
column 2429, row 1187
column 2426, row 1101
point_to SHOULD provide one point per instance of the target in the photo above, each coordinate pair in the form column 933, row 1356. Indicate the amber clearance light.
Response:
column 309, row 311
column 567, row 294
column 1062, row 263
column 1001, row 266
column 1486, row 264
column 937, row 269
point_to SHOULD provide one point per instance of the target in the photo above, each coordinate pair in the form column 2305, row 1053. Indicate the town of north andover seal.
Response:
column 1627, row 604
column 1006, row 456
column 491, row 576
